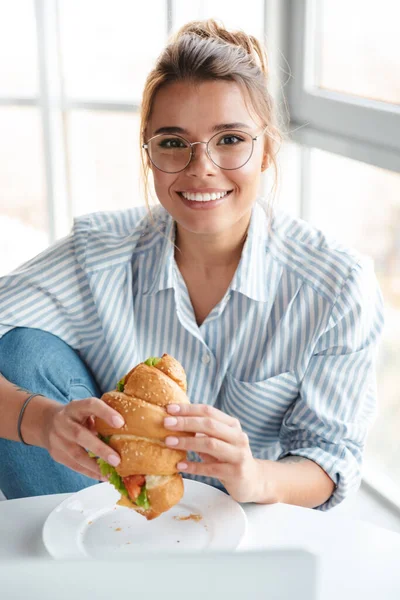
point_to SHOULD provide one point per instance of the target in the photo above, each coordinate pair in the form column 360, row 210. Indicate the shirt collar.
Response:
column 251, row 276
column 163, row 275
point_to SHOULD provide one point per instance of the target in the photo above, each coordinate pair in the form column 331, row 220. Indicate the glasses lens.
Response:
column 230, row 149
column 170, row 153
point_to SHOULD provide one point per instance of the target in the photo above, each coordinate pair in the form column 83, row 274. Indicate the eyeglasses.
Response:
column 228, row 150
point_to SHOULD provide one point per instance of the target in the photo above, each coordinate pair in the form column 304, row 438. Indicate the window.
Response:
column 108, row 47
column 344, row 103
column 71, row 80
column 230, row 13
column 18, row 49
column 345, row 110
column 104, row 65
column 24, row 223
column 103, row 153
column 23, row 214
column 358, row 48
column 361, row 207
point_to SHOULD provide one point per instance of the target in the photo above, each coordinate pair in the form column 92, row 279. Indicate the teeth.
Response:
column 203, row 197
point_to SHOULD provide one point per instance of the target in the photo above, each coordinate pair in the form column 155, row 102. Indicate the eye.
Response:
column 172, row 143
column 230, row 140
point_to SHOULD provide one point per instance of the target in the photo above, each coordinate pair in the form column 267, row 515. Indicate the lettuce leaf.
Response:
column 142, row 500
column 113, row 477
column 152, row 361
column 116, row 480
column 105, row 438
column 108, row 471
column 121, row 385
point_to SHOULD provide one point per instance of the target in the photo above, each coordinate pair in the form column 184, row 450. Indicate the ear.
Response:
column 266, row 154
column 265, row 162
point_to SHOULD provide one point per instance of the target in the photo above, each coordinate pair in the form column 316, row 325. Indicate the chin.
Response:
column 205, row 226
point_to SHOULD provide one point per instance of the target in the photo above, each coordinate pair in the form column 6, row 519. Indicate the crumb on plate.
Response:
column 191, row 517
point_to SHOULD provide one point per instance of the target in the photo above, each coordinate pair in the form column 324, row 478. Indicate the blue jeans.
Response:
column 41, row 363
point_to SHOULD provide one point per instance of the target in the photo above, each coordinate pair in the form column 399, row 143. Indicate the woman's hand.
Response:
column 220, row 442
column 70, row 433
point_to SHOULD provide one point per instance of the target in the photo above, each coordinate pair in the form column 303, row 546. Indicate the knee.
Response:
column 43, row 363
column 24, row 352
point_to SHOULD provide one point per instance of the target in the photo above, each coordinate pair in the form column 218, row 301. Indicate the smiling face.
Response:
column 196, row 112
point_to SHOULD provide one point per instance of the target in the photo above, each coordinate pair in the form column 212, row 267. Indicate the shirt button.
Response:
column 206, row 359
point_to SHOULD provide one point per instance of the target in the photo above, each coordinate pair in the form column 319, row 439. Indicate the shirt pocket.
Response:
column 260, row 406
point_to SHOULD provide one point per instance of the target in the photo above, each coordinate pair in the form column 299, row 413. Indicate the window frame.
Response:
column 354, row 119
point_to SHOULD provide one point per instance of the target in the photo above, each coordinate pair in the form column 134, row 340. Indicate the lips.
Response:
column 206, row 196
column 204, row 204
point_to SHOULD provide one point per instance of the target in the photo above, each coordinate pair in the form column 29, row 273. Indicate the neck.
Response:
column 209, row 253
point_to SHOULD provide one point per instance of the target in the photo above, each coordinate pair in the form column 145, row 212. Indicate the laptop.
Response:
column 273, row 574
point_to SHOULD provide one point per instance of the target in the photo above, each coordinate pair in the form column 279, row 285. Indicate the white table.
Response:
column 358, row 560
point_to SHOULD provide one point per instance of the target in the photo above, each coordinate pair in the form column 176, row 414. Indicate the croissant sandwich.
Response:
column 146, row 477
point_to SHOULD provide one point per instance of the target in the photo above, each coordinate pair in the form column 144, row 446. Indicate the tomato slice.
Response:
column 134, row 484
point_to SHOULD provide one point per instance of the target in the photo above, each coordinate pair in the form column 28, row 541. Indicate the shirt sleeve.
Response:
column 50, row 292
column 329, row 421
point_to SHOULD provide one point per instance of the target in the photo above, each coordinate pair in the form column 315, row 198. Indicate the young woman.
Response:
column 275, row 325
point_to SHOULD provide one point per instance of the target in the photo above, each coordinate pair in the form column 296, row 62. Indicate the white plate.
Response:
column 89, row 524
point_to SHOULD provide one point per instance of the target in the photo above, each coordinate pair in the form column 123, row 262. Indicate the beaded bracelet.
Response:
column 21, row 414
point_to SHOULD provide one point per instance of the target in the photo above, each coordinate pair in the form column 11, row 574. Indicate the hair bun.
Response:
column 215, row 30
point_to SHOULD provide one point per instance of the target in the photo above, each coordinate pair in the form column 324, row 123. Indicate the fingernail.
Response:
column 117, row 421
column 169, row 421
column 173, row 408
column 181, row 466
column 171, row 441
column 113, row 460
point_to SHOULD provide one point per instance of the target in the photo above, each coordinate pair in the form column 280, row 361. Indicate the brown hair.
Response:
column 204, row 51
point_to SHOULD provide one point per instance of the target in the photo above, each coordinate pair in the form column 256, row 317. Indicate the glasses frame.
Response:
column 145, row 146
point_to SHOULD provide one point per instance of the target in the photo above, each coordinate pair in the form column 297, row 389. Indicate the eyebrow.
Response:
column 216, row 128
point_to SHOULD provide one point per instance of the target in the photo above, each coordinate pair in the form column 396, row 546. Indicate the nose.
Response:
column 201, row 165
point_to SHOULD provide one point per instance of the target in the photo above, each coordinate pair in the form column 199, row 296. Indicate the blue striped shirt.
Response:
column 289, row 350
